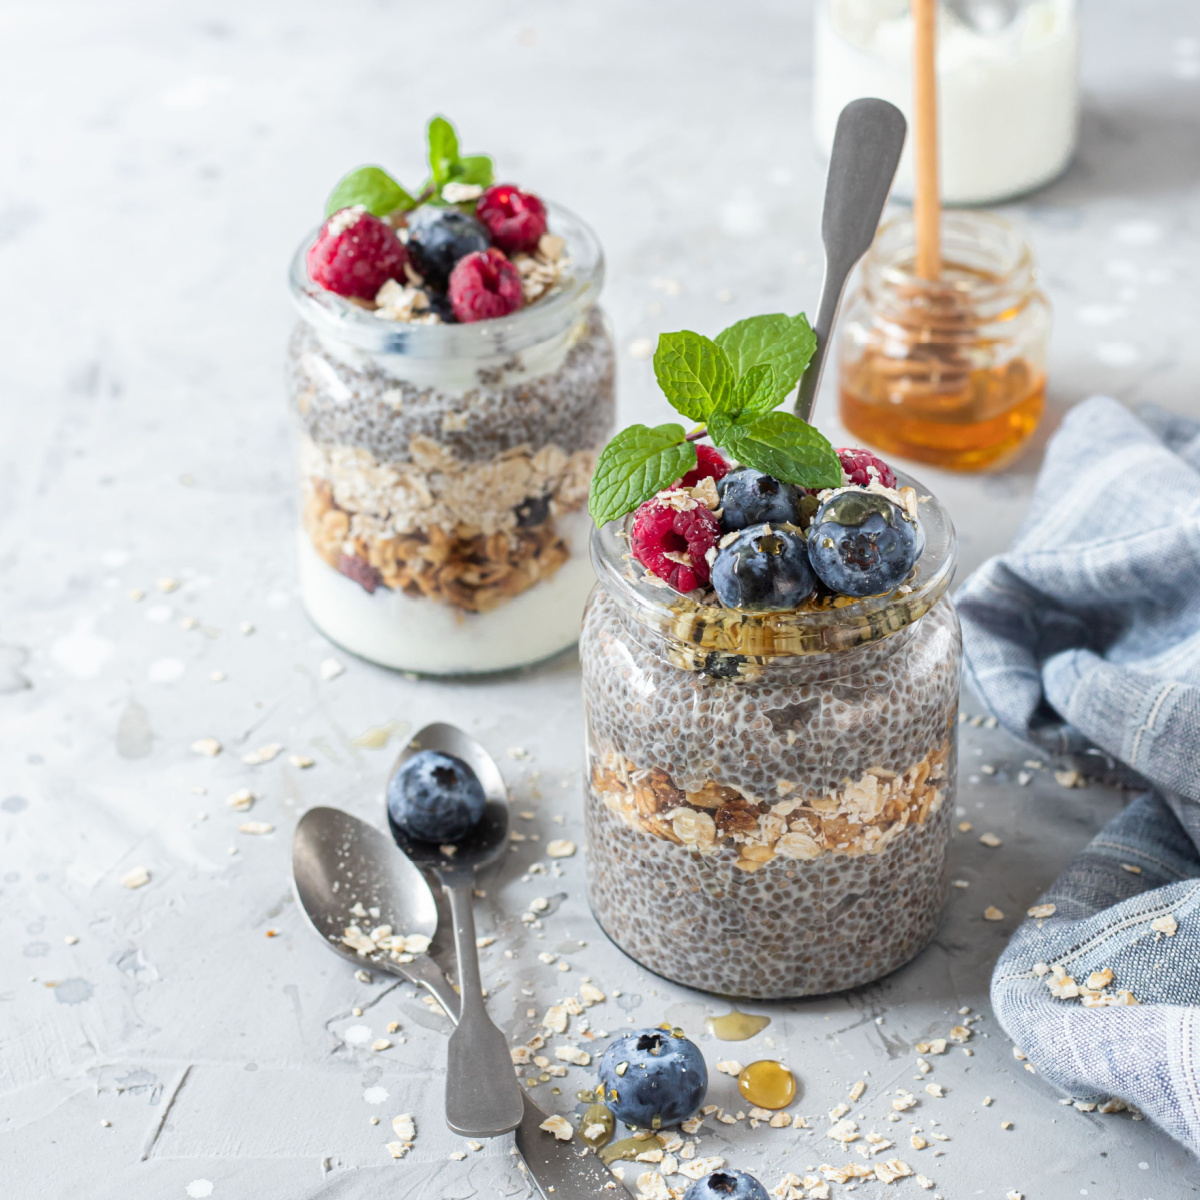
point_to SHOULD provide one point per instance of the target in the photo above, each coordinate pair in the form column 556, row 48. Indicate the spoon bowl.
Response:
column 487, row 840
column 339, row 861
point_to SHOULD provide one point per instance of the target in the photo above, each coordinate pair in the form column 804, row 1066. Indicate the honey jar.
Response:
column 949, row 371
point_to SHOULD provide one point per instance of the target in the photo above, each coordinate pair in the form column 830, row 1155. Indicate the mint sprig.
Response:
column 447, row 165
column 731, row 385
column 373, row 188
column 636, row 464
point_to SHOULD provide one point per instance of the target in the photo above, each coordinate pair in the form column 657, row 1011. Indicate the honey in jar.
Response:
column 949, row 371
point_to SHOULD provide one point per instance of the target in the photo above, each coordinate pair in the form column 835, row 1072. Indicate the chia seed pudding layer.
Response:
column 770, row 824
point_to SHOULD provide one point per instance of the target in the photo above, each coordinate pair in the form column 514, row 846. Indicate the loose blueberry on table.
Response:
column 779, row 520
column 653, row 1078
column 435, row 797
column 461, row 249
column 726, row 1184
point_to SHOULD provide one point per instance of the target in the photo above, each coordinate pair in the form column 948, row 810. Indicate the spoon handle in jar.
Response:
column 866, row 151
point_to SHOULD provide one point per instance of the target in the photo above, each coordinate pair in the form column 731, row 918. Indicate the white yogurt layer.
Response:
column 1007, row 102
column 417, row 634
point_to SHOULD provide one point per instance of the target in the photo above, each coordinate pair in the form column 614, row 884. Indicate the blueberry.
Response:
column 439, row 237
column 748, row 497
column 653, row 1077
column 764, row 569
column 863, row 544
column 727, row 1184
column 435, row 797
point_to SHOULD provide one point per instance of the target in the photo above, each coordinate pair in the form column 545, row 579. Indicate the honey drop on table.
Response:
column 596, row 1115
column 736, row 1026
column 767, row 1084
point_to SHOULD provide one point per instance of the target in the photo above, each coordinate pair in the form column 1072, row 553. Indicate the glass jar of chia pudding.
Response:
column 444, row 470
column 771, row 794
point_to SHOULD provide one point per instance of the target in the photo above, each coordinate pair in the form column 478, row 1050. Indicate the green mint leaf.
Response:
column 373, row 188
column 443, row 150
column 472, row 168
column 755, row 392
column 786, row 343
column 638, row 462
column 694, row 373
column 782, row 445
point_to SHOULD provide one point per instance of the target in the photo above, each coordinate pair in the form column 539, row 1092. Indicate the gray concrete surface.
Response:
column 159, row 163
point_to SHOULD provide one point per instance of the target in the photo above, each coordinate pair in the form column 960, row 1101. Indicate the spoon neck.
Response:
column 462, row 912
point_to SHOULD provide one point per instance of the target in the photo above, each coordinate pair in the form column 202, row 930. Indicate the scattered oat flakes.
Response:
column 241, row 800
column 1014, row 1195
column 1006, row 1125
column 987, row 1102
column 730, row 1066
column 166, row 584
column 699, row 1167
column 135, row 877
column 692, row 1124
column 799, row 1122
column 301, row 761
column 404, row 1127
column 924, row 1181
column 1099, row 980
column 559, row 1126
column 457, row 1155
column 992, row 913
column 1166, row 925
column 844, row 1131
column 573, row 1055
column 217, row 676
column 71, row 939
column 891, row 1170
column 208, row 746
column 917, row 1142
column 960, row 1034
column 331, row 669
column 838, row 1111
column 255, row 827
column 960, row 883
column 905, row 1100
column 990, row 839
column 934, row 1089
column 556, row 1019
column 560, row 848
column 381, row 1044
column 780, row 1120
column 589, row 994
column 263, row 754
column 988, row 769
column 1068, row 779
column 857, row 1090
column 1041, row 911
column 965, row 827
column 398, row 1149
column 1131, row 868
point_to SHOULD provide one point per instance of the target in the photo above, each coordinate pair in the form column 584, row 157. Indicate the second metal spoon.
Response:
column 483, row 1096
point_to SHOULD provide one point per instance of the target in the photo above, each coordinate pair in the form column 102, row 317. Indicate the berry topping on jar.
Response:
column 710, row 464
column 748, row 497
column 863, row 468
column 484, row 285
column 862, row 543
column 355, row 254
column 671, row 537
column 439, row 237
column 764, row 569
column 653, row 1078
column 515, row 219
column 395, row 252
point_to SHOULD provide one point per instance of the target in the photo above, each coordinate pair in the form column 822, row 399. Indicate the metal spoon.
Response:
column 483, row 1097
column 862, row 163
column 988, row 17
column 338, row 859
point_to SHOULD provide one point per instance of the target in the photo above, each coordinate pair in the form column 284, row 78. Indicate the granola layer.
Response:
column 861, row 817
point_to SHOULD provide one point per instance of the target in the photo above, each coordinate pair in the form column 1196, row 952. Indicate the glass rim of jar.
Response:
column 541, row 322
column 978, row 241
column 701, row 629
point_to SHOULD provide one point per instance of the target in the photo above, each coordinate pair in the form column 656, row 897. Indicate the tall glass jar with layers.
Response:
column 444, row 470
column 770, row 795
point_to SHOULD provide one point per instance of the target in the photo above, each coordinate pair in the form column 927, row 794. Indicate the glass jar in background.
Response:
column 951, row 372
column 445, row 468
column 770, row 794
column 1008, row 91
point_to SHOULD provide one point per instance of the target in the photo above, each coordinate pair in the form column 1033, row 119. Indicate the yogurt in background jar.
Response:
column 1008, row 102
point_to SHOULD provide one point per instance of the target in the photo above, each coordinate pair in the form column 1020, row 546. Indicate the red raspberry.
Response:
column 861, row 466
column 659, row 531
column 515, row 219
column 709, row 465
column 355, row 254
column 483, row 285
